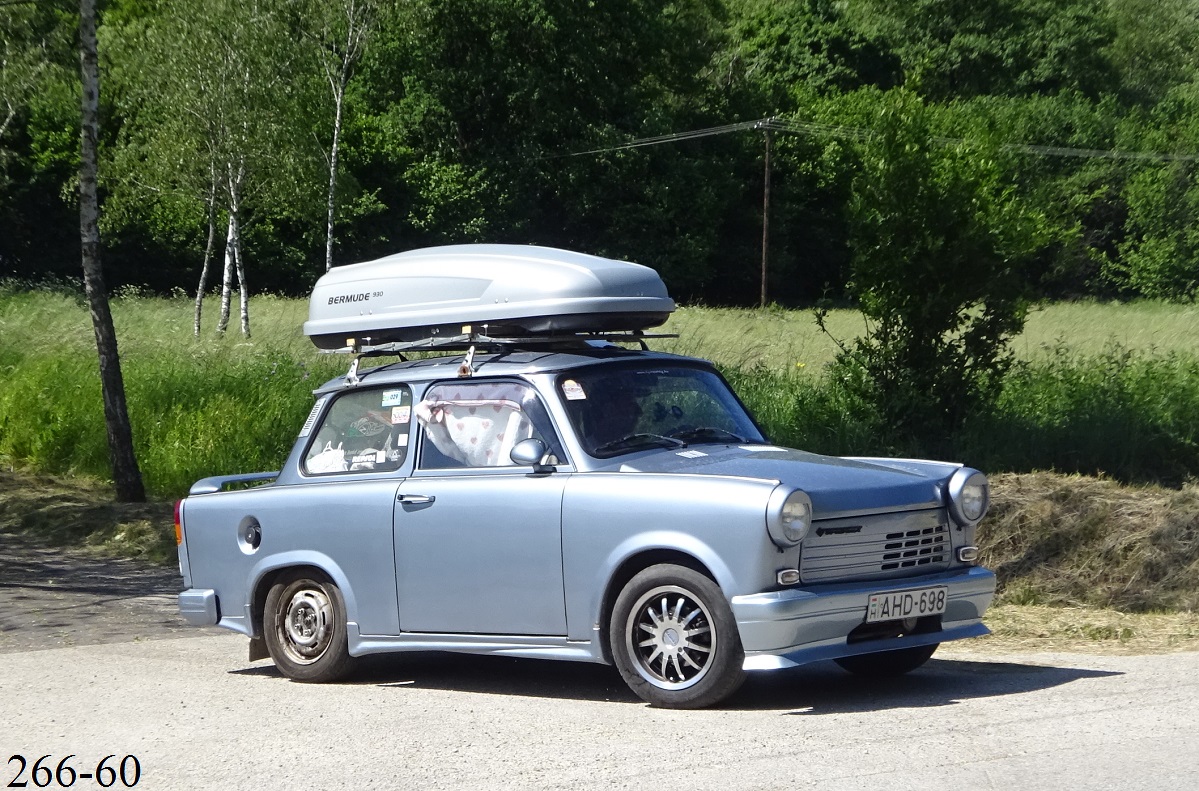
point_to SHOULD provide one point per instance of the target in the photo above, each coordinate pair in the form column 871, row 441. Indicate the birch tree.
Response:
column 212, row 88
column 21, row 64
column 337, row 32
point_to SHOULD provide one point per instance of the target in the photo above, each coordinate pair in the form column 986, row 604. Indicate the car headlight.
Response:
column 969, row 496
column 788, row 516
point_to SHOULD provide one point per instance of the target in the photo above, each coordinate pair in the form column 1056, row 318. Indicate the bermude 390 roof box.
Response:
column 514, row 290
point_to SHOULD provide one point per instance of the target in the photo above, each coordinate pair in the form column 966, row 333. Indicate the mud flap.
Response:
column 258, row 649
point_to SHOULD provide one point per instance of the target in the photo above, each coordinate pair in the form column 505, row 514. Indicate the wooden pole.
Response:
column 765, row 220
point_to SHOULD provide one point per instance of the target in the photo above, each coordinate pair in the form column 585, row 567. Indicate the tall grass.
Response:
column 198, row 407
column 215, row 405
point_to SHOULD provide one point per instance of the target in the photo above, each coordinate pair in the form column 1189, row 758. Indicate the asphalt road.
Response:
column 94, row 662
column 198, row 715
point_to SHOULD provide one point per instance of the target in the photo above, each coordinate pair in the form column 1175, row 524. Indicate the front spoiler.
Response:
column 792, row 627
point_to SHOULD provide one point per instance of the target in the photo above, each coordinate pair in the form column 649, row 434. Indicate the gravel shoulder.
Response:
column 55, row 597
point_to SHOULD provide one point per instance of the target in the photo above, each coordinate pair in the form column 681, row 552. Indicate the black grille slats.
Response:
column 880, row 546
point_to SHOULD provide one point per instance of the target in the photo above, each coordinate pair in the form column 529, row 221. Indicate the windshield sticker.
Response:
column 311, row 421
column 691, row 454
column 402, row 440
column 573, row 391
column 400, row 415
column 763, row 449
column 393, row 397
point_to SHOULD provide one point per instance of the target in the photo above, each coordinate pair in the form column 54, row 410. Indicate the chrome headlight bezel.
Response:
column 788, row 516
column 969, row 496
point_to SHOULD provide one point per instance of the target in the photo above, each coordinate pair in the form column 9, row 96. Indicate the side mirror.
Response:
column 530, row 453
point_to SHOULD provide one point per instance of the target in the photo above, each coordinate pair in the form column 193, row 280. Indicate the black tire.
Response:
column 674, row 640
column 887, row 664
column 304, row 624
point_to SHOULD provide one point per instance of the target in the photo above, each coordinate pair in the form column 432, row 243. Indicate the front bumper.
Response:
column 199, row 607
column 793, row 627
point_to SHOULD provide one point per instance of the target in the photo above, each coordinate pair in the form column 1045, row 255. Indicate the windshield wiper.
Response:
column 633, row 440
column 707, row 434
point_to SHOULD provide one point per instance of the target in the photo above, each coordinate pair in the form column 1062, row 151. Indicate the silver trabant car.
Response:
column 551, row 494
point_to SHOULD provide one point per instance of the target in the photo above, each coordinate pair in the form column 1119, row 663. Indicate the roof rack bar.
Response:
column 482, row 342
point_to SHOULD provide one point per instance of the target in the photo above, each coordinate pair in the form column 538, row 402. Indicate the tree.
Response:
column 338, row 31
column 1156, row 46
column 940, row 244
column 1159, row 258
column 492, row 95
column 213, row 124
column 957, row 49
column 21, row 64
column 777, row 48
column 125, row 471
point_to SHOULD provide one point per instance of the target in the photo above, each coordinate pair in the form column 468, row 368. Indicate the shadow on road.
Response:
column 821, row 688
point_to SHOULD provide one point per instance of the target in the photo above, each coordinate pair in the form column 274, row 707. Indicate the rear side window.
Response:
column 476, row 424
column 363, row 431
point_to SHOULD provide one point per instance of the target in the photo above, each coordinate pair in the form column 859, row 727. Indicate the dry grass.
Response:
column 1027, row 628
column 81, row 513
column 1073, row 540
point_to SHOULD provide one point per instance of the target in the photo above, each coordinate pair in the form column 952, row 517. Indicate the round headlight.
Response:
column 788, row 517
column 969, row 495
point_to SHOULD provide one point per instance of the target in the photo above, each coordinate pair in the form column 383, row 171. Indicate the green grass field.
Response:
column 1102, row 387
column 780, row 339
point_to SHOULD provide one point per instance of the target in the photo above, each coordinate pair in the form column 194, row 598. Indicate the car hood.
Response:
column 836, row 485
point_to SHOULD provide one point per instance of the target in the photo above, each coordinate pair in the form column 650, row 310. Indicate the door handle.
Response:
column 415, row 499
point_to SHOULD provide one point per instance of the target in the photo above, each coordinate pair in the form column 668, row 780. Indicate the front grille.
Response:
column 882, row 546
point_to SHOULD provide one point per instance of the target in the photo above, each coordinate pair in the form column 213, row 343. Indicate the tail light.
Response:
column 178, row 523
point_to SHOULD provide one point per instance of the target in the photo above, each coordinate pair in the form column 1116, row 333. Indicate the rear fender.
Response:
column 268, row 567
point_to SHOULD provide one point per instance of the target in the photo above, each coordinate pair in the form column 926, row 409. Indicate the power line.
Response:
column 814, row 129
column 673, row 137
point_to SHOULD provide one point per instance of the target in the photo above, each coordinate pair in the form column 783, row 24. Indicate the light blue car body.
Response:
column 525, row 561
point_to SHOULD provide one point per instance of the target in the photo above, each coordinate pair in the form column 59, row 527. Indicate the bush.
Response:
column 940, row 246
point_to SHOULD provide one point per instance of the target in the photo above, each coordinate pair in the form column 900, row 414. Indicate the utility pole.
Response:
column 766, row 219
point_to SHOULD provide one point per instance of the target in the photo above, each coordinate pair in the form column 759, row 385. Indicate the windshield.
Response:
column 622, row 409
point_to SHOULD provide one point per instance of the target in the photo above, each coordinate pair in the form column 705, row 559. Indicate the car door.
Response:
column 478, row 540
column 342, row 510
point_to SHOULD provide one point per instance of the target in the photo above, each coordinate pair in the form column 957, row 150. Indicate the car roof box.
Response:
column 494, row 289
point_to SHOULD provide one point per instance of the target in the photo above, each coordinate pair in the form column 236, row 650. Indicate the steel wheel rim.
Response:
column 671, row 638
column 306, row 625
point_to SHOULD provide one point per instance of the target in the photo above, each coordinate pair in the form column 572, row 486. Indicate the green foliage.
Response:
column 966, row 48
column 463, row 117
column 777, row 47
column 1156, row 46
column 1159, row 258
column 940, row 251
column 217, row 406
column 1131, row 416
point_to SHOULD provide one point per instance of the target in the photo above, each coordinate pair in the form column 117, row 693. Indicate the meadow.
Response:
column 1099, row 388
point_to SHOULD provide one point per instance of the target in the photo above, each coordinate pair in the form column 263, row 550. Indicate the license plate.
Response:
column 898, row 605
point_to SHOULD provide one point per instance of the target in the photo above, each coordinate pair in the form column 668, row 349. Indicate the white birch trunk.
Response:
column 242, row 293
column 338, row 100
column 202, row 286
column 227, row 277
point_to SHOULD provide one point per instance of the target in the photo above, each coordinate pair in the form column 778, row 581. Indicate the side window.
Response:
column 364, row 431
column 476, row 424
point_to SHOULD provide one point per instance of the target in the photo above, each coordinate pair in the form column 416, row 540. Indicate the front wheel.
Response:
column 674, row 639
column 304, row 624
column 886, row 664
